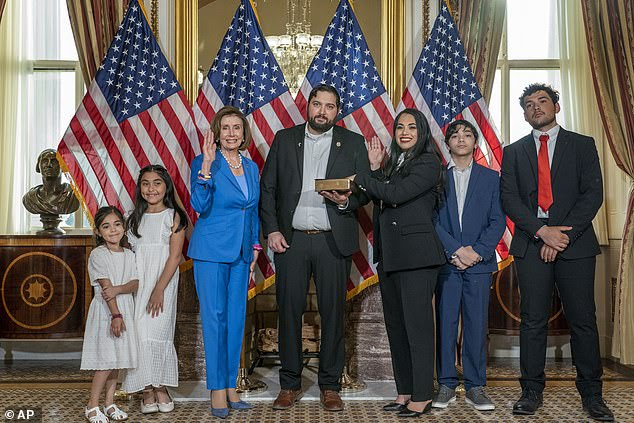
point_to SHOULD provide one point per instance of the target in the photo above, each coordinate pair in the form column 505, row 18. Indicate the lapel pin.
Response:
column 299, row 144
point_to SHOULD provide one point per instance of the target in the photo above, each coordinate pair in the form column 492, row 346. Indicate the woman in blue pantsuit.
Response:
column 224, row 246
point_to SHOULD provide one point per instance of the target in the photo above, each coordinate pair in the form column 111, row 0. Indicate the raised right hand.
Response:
column 209, row 152
column 376, row 153
column 277, row 242
column 554, row 236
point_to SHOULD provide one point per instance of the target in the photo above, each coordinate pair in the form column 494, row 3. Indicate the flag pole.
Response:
column 244, row 385
column 186, row 48
column 449, row 7
column 393, row 47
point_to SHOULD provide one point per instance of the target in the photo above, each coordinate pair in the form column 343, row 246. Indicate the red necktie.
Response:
column 544, row 189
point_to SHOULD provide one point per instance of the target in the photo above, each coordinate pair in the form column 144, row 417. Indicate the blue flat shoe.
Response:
column 240, row 405
column 222, row 413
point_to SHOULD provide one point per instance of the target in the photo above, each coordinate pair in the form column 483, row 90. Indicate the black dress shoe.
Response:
column 528, row 403
column 394, row 406
column 411, row 413
column 597, row 409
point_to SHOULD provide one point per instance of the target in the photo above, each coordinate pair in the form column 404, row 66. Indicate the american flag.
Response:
column 444, row 89
column 134, row 114
column 246, row 75
column 344, row 61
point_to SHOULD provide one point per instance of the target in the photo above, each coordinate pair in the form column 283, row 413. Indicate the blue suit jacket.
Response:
column 483, row 221
column 228, row 224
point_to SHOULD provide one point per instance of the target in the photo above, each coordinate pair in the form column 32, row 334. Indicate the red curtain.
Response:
column 609, row 27
column 480, row 24
column 94, row 24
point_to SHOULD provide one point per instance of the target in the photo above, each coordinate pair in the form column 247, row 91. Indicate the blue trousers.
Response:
column 469, row 291
column 222, row 293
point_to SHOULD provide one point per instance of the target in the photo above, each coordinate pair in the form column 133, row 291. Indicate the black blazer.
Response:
column 577, row 192
column 404, row 234
column 281, row 184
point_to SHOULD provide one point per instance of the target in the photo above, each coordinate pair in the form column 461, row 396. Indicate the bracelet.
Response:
column 117, row 316
column 202, row 175
column 257, row 247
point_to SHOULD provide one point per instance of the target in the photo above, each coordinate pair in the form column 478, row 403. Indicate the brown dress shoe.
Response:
column 330, row 400
column 286, row 399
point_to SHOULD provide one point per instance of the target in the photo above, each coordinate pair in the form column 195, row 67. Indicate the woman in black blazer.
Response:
column 405, row 193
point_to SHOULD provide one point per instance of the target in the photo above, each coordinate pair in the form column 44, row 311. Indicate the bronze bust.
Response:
column 52, row 197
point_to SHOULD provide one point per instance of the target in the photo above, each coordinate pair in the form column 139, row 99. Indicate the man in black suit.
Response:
column 551, row 187
column 312, row 234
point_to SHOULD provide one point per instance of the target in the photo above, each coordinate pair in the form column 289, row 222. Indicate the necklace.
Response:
column 232, row 166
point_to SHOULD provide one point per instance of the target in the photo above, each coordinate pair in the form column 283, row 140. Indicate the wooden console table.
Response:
column 44, row 287
column 504, row 306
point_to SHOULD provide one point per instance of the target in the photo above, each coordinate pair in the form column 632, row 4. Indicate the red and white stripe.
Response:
column 488, row 151
column 373, row 119
column 104, row 157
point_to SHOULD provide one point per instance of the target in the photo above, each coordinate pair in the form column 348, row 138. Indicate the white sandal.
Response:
column 166, row 407
column 99, row 417
column 117, row 414
column 149, row 408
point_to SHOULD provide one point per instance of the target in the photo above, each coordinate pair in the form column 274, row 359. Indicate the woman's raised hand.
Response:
column 209, row 152
column 376, row 153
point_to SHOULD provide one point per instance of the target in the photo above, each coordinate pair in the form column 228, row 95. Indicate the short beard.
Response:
column 320, row 127
column 539, row 125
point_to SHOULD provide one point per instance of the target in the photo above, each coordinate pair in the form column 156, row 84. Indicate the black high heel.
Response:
column 411, row 413
column 395, row 406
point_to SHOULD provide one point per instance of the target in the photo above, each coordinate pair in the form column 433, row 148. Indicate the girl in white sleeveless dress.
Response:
column 110, row 336
column 156, row 234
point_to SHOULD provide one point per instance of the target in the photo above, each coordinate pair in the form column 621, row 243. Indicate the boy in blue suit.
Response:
column 470, row 223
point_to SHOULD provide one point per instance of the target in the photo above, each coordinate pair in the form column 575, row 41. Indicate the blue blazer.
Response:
column 228, row 224
column 483, row 221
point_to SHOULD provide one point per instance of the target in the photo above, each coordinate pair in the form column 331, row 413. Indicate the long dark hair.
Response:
column 424, row 144
column 101, row 214
column 140, row 205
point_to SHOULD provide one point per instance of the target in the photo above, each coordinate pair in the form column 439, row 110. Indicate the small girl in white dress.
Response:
column 156, row 234
column 110, row 338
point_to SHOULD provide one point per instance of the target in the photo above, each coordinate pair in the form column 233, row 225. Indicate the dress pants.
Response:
column 409, row 320
column 575, row 281
column 222, row 293
column 469, row 292
column 316, row 255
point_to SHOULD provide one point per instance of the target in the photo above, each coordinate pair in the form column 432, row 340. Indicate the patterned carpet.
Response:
column 561, row 404
column 59, row 391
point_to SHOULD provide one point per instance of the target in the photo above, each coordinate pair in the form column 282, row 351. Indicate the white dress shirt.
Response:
column 311, row 213
column 461, row 181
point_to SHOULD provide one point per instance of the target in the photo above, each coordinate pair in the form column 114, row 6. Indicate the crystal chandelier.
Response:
column 295, row 50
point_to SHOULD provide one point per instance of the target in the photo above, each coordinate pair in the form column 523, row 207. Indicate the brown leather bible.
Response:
column 343, row 184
